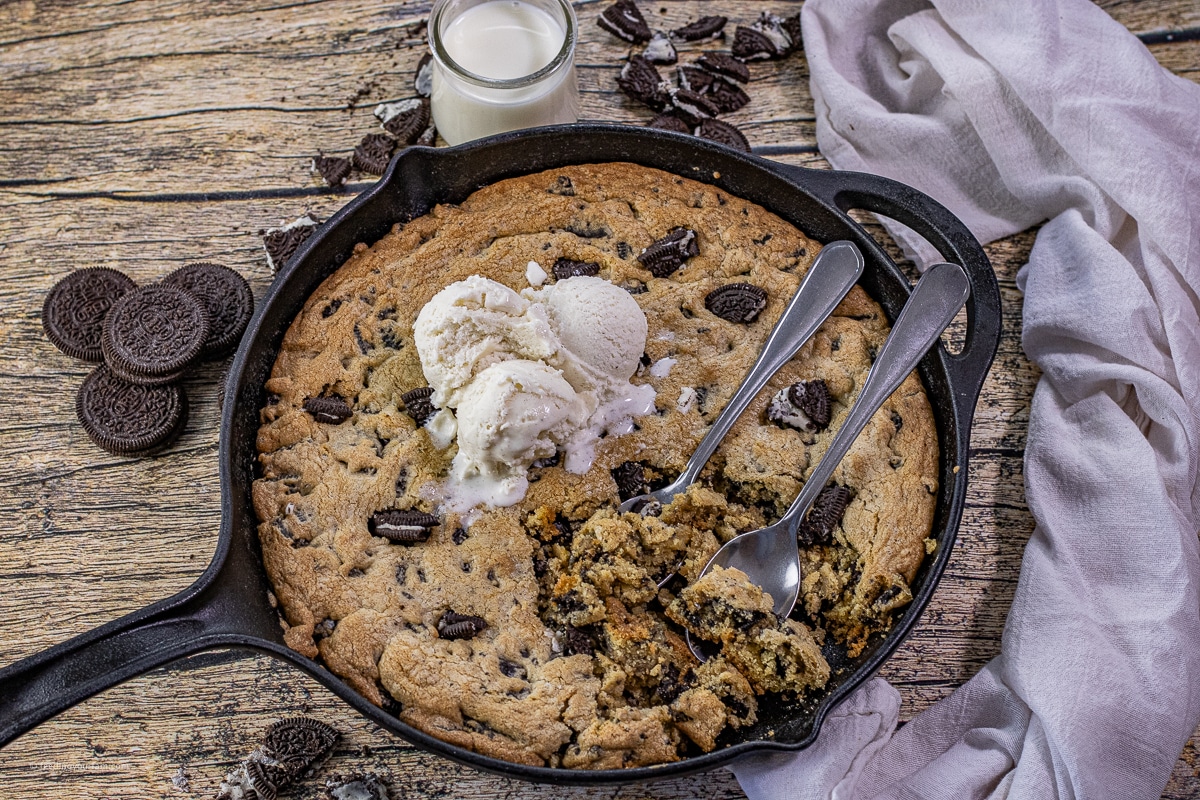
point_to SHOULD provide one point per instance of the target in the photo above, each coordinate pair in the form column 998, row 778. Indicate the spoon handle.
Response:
column 938, row 296
column 836, row 269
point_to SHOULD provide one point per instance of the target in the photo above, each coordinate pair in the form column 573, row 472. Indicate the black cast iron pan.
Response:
column 228, row 605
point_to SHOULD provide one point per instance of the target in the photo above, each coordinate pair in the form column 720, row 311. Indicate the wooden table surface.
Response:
column 145, row 134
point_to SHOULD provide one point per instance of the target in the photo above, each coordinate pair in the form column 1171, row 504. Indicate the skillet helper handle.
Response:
column 948, row 235
column 37, row 688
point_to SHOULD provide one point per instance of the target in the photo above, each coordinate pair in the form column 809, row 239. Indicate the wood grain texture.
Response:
column 144, row 134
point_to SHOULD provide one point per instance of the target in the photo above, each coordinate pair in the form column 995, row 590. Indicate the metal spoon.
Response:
column 836, row 269
column 769, row 556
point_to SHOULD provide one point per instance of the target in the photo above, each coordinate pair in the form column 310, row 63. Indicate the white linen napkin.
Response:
column 1010, row 113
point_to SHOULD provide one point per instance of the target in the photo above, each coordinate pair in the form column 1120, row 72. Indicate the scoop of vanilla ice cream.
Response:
column 472, row 324
column 598, row 322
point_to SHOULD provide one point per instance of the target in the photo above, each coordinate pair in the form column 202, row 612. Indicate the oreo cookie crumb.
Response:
column 331, row 410
column 667, row 254
column 566, row 268
column 695, row 79
column 805, row 405
column 825, row 515
column 752, row 45
column 640, row 81
column 660, row 50
column 623, row 20
column 736, row 302
column 630, row 478
column 334, row 170
column 460, row 626
column 691, row 106
column 128, row 419
column 281, row 243
column 724, row 65
column 428, row 138
column 74, row 309
column 226, row 298
column 403, row 526
column 717, row 130
column 418, row 404
column 373, row 153
column 712, row 27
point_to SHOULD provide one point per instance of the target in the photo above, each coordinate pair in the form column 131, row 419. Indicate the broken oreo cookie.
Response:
column 640, row 81
column 460, row 626
column 127, row 419
column 669, row 122
column 418, row 404
column 660, row 50
column 406, row 120
column 566, row 268
column 736, row 302
column 623, row 20
column 74, row 309
column 805, row 405
column 630, row 478
column 373, row 153
column 334, row 170
column 717, row 130
column 331, row 410
column 825, row 515
column 226, row 298
column 668, row 253
column 281, row 243
column 404, row 526
column 724, row 65
column 711, row 27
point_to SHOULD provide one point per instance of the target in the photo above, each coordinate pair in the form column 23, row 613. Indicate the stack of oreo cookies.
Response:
column 146, row 338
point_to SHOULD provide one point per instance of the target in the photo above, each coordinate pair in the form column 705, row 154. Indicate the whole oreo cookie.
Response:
column 128, row 419
column 226, row 298
column 74, row 310
column 154, row 333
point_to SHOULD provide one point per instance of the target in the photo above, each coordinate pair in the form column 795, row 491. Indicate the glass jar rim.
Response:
column 443, row 57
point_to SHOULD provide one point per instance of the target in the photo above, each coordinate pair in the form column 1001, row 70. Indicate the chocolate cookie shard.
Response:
column 805, row 405
column 127, row 419
column 736, row 302
column 282, row 243
column 266, row 779
column 695, row 79
column 406, row 120
column 726, row 97
column 460, row 626
column 298, row 742
column 373, row 153
column 669, row 122
column 631, row 480
column 418, row 404
column 717, row 130
column 668, row 253
column 403, row 526
column 566, row 268
column 752, row 45
column 623, row 20
column 74, row 309
column 791, row 26
column 825, row 515
column 153, row 332
column 331, row 410
column 691, row 106
column 334, row 170
column 724, row 65
column 660, row 50
column 712, row 27
column 226, row 298
column 640, row 81
column 423, row 76
column 772, row 26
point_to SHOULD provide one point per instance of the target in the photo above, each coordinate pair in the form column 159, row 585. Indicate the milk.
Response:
column 486, row 63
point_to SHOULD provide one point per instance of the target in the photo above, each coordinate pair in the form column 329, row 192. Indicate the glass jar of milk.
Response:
column 499, row 65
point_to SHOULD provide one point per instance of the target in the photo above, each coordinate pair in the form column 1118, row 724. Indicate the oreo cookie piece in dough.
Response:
column 73, row 313
column 126, row 419
column 226, row 298
column 154, row 333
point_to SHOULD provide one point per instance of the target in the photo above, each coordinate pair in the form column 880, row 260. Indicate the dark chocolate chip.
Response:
column 660, row 50
column 332, row 410
column 331, row 309
column 373, row 153
column 640, row 81
column 712, row 27
column 333, row 169
column 297, row 742
column 226, row 298
column 576, row 641
column 724, row 65
column 74, row 309
column 752, row 45
column 512, row 669
column 406, row 121
column 423, row 76
column 418, row 405
column 562, row 187
column 630, row 478
column 668, row 253
column 460, row 626
column 403, row 526
column 566, row 268
column 897, row 421
column 825, row 515
column 128, row 419
column 717, row 130
column 623, row 20
column 727, row 97
column 667, row 122
column 736, row 302
column 153, row 332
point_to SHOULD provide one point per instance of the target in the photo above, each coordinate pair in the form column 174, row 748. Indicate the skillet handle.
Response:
column 37, row 688
column 944, row 231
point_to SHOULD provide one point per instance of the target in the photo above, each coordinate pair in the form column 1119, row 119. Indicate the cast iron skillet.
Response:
column 228, row 606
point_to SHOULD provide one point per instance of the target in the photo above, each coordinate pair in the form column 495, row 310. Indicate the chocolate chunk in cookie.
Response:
column 403, row 526
column 805, row 405
column 668, row 253
column 724, row 65
column 631, row 480
column 418, row 404
column 712, row 27
column 128, row 419
column 298, row 742
column 460, row 626
column 332, row 410
column 406, row 120
column 736, row 302
column 74, row 309
column 154, row 332
column 669, row 122
column 640, row 81
column 226, row 298
column 623, row 20
column 333, row 169
column 825, row 515
column 563, row 187
column 282, row 243
column 423, row 76
column 566, row 268
column 660, row 50
column 373, row 153
column 717, row 130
